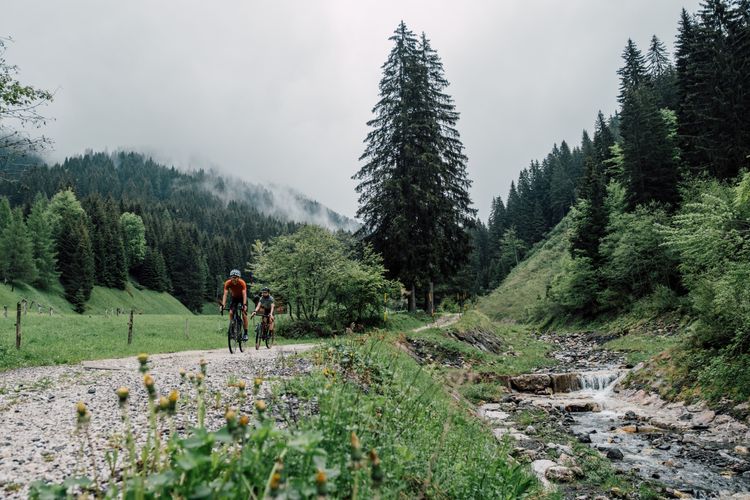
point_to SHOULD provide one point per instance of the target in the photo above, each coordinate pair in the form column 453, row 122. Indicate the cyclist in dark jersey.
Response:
column 238, row 289
column 266, row 303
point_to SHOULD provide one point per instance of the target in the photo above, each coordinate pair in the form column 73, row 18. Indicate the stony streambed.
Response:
column 38, row 437
column 690, row 450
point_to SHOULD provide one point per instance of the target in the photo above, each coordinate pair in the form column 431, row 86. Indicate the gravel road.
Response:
column 38, row 437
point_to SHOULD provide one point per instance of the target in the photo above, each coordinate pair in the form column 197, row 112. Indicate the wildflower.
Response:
column 199, row 378
column 356, row 451
column 182, row 374
column 231, row 417
column 376, row 472
column 260, row 405
column 321, row 482
column 203, row 365
column 275, row 484
column 191, row 377
column 163, row 403
column 122, row 395
column 241, row 385
column 148, row 381
column 256, row 385
column 83, row 413
column 174, row 395
column 244, row 421
column 143, row 361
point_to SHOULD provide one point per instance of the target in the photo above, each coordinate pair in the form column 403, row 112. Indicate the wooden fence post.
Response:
column 187, row 328
column 130, row 328
column 18, row 325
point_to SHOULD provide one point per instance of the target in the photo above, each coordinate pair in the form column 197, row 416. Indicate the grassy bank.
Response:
column 476, row 354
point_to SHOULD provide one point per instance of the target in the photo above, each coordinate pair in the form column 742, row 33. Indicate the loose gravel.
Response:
column 38, row 438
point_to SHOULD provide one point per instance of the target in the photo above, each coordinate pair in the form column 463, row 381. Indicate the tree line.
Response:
column 112, row 216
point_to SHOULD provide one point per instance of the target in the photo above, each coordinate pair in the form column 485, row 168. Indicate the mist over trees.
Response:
column 112, row 216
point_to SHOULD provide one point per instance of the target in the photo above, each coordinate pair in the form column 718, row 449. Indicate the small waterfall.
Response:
column 597, row 381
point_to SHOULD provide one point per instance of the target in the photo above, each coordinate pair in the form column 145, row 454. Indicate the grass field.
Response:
column 71, row 338
column 102, row 299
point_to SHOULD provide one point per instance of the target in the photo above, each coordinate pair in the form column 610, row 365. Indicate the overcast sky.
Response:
column 281, row 90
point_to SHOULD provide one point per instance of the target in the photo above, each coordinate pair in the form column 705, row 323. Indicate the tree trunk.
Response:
column 18, row 325
column 431, row 299
column 413, row 299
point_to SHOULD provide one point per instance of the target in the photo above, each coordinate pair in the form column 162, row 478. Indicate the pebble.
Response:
column 614, row 454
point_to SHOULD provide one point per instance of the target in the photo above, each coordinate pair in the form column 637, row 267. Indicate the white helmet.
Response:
column 234, row 272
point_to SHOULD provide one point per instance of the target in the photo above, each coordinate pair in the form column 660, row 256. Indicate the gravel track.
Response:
column 38, row 438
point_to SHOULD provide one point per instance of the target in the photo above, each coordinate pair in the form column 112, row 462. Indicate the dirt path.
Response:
column 37, row 405
column 441, row 322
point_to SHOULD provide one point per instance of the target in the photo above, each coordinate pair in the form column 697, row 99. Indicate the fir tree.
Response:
column 106, row 241
column 657, row 60
column 649, row 152
column 633, row 73
column 5, row 213
column 16, row 251
column 45, row 254
column 413, row 185
column 76, row 262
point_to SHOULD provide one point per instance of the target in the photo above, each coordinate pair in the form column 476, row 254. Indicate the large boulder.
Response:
column 560, row 474
column 532, row 382
column 582, row 406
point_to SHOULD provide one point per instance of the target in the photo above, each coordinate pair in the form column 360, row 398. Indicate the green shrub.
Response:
column 303, row 328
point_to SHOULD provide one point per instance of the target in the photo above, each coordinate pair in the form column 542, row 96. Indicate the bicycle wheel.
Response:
column 234, row 335
column 240, row 334
column 267, row 336
column 258, row 329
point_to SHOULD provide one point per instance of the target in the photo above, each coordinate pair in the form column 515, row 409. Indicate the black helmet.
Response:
column 266, row 289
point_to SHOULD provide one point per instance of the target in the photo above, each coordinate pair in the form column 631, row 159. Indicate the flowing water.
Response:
column 691, row 459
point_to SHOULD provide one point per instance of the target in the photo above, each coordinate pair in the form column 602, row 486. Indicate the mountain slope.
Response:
column 521, row 293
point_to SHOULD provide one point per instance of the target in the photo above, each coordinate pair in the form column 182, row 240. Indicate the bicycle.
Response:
column 235, row 330
column 262, row 333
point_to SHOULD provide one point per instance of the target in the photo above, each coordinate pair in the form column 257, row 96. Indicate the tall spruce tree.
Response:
column 649, row 151
column 5, row 212
column 662, row 74
column 45, row 254
column 413, row 186
column 76, row 261
column 591, row 221
column 106, row 242
column 16, row 251
column 633, row 73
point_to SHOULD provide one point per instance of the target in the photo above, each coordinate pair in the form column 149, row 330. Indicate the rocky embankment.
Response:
column 676, row 450
column 38, row 437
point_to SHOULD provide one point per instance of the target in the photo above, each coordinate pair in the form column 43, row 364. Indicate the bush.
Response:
column 576, row 287
column 318, row 275
column 725, row 376
column 303, row 328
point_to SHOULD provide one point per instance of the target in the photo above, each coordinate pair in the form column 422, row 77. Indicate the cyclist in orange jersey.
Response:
column 238, row 289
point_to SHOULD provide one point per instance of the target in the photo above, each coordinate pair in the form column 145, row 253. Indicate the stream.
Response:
column 692, row 451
